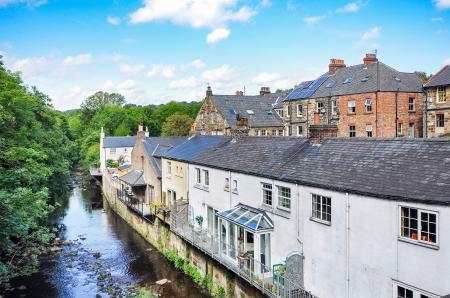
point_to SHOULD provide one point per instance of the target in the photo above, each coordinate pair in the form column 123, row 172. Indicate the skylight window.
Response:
column 330, row 85
column 398, row 79
column 232, row 112
column 250, row 112
column 365, row 79
column 348, row 80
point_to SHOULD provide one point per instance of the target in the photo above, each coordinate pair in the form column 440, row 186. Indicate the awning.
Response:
column 133, row 178
column 248, row 217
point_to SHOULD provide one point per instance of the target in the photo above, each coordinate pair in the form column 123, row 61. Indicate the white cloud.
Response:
column 221, row 74
column 437, row 19
column 131, row 69
column 126, row 85
column 29, row 3
column 442, row 4
column 196, row 14
column 78, row 60
column 184, row 83
column 161, row 70
column 265, row 78
column 31, row 66
column 113, row 20
column 217, row 35
column 351, row 7
column 197, row 63
column 368, row 38
column 107, row 85
column 265, row 3
column 73, row 92
column 311, row 20
column 447, row 62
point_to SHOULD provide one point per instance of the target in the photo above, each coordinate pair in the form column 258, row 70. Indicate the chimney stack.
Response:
column 239, row 93
column 264, row 90
column 147, row 133
column 209, row 91
column 334, row 65
column 140, row 132
column 370, row 58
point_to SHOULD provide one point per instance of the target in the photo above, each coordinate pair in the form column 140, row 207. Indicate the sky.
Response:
column 155, row 51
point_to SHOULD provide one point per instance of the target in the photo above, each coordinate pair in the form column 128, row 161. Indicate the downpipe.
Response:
column 347, row 231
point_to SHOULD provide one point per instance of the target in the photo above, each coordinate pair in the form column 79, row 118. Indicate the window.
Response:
column 199, row 177
column 280, row 132
column 348, row 80
column 288, row 111
column 400, row 129
column 440, row 120
column 418, row 225
column 319, row 107
column 274, row 132
column 263, row 132
column 206, row 175
column 321, row 208
column 368, row 105
column 411, row 132
column 169, row 168
column 411, row 106
column 352, row 131
column 289, row 130
column 235, row 185
column 334, row 107
column 404, row 291
column 441, row 96
column 299, row 110
column 258, row 133
column 284, row 197
column 351, row 107
column 299, row 130
column 112, row 151
column 267, row 194
column 227, row 183
column 369, row 131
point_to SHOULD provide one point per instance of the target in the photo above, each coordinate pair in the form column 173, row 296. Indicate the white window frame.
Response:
column 263, row 132
column 267, row 187
column 227, row 184
column 400, row 129
column 319, row 216
column 198, row 179
column 299, row 110
column 350, row 131
column 369, row 128
column 206, row 177
column 334, row 107
column 416, row 291
column 282, row 132
column 441, row 95
column 413, row 130
column 283, row 199
column 419, row 226
column 299, row 133
column 368, row 105
column 318, row 109
column 351, row 107
column 169, row 168
column 438, row 121
column 413, row 105
column 288, row 112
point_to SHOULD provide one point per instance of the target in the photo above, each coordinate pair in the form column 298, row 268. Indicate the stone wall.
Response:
column 160, row 236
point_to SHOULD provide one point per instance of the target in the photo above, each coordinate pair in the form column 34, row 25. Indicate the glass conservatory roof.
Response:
column 249, row 217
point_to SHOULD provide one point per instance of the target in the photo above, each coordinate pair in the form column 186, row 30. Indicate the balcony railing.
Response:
column 271, row 283
column 133, row 202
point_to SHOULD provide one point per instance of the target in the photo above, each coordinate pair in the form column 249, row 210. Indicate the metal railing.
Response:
column 272, row 284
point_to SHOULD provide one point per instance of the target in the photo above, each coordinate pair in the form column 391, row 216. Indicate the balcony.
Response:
column 270, row 281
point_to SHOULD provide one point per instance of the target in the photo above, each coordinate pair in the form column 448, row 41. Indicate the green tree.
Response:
column 98, row 100
column 177, row 125
column 423, row 75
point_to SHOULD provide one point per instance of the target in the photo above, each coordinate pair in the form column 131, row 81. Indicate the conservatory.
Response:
column 244, row 237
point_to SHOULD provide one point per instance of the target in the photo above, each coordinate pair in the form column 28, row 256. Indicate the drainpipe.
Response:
column 425, row 115
column 347, row 232
column 230, row 189
column 396, row 112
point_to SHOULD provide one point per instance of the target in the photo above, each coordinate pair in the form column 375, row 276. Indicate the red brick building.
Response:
column 365, row 100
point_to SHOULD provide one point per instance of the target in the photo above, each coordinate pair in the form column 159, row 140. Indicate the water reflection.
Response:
column 124, row 253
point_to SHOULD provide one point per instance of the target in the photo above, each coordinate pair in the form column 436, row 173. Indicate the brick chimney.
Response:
column 322, row 131
column 370, row 58
column 264, row 90
column 140, row 133
column 239, row 93
column 334, row 65
column 209, row 91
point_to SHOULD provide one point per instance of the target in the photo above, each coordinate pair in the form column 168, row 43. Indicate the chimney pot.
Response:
column 370, row 58
column 209, row 91
column 334, row 65
column 264, row 90
column 239, row 93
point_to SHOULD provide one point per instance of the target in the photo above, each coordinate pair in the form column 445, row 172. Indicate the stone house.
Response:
column 365, row 100
column 239, row 114
column 362, row 225
column 437, row 104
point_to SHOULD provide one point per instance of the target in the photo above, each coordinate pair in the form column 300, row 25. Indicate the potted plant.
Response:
column 199, row 220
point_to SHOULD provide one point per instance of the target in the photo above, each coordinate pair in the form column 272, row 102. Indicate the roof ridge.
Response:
column 436, row 74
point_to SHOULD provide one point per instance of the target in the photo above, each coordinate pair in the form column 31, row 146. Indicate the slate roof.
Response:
column 193, row 147
column 374, row 77
column 155, row 147
column 399, row 169
column 229, row 106
column 133, row 178
column 442, row 78
column 118, row 142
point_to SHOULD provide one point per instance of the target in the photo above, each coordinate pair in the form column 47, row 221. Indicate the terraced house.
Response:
column 239, row 114
column 437, row 116
column 366, row 100
column 343, row 218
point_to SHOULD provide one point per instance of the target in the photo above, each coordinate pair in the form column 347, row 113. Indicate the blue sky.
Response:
column 153, row 51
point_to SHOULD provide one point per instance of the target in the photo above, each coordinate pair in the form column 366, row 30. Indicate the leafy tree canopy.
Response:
column 177, row 125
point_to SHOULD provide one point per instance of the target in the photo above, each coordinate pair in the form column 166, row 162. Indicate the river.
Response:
column 103, row 257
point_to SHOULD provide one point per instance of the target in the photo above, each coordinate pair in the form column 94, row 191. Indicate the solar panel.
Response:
column 232, row 112
column 306, row 89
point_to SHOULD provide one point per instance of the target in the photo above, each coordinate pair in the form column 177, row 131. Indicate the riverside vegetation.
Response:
column 40, row 146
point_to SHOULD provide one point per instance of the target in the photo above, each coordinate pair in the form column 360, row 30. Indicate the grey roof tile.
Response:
column 133, row 178
column 442, row 78
column 193, row 147
column 118, row 142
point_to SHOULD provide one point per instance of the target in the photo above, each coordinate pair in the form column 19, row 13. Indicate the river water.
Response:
column 107, row 258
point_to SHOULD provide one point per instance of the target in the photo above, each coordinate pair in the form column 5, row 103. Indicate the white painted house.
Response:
column 369, row 218
column 117, row 149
